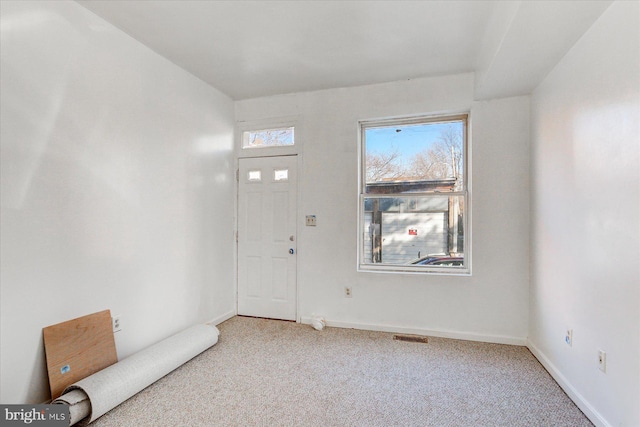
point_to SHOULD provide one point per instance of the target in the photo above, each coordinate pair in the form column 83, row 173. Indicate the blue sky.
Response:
column 411, row 140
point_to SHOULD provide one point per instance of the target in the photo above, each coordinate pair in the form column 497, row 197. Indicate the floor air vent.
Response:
column 411, row 338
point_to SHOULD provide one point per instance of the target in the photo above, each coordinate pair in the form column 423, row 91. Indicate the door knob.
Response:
column 291, row 251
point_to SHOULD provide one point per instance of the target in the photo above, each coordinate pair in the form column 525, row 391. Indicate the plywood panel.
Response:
column 78, row 348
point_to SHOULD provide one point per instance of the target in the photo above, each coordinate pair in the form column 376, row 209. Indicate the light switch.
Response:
column 311, row 220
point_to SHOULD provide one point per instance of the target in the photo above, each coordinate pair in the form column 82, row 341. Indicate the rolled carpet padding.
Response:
column 79, row 405
column 92, row 397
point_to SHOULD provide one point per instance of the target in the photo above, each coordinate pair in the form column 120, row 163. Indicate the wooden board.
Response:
column 78, row 348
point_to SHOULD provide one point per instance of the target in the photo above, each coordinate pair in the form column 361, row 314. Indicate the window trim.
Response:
column 262, row 147
column 465, row 193
column 266, row 124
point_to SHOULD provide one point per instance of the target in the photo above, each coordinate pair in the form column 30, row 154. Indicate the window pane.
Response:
column 268, row 138
column 410, row 158
column 255, row 175
column 416, row 231
column 281, row 174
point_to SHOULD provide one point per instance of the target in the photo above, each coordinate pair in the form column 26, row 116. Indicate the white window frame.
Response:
column 465, row 193
column 268, row 124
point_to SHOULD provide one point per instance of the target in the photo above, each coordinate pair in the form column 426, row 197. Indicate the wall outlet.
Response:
column 116, row 322
column 348, row 292
column 602, row 361
column 568, row 338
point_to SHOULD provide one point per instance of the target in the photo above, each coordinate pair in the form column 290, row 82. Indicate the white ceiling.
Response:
column 249, row 49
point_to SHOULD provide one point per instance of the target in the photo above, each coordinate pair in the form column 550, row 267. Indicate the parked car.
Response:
column 446, row 261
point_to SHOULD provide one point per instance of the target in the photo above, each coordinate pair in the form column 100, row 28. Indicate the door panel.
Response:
column 266, row 235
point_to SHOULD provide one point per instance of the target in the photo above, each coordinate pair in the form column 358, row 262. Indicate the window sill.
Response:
column 399, row 269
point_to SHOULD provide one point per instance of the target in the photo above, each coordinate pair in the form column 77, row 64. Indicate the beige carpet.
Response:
column 272, row 373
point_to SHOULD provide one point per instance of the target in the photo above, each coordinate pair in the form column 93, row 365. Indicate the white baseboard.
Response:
column 593, row 415
column 467, row 336
column 216, row 321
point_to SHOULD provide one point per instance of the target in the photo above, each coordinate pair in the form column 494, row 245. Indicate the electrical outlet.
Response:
column 347, row 292
column 568, row 338
column 116, row 322
column 602, row 361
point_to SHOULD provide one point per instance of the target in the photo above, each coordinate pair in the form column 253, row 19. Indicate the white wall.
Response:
column 117, row 188
column 492, row 304
column 585, row 218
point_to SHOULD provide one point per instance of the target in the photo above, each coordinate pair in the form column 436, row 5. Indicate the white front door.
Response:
column 267, row 237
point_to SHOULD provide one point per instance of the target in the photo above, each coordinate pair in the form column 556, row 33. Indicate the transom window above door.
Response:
column 264, row 138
